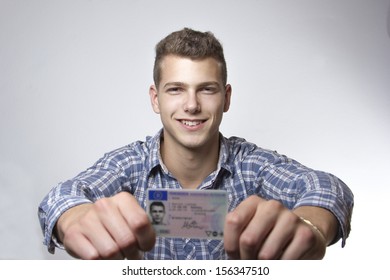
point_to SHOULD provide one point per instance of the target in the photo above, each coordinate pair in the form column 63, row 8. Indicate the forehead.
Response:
column 187, row 70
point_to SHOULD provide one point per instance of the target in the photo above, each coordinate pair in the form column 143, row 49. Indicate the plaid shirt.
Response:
column 243, row 170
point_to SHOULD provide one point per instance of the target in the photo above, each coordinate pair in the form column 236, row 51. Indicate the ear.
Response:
column 153, row 93
column 228, row 94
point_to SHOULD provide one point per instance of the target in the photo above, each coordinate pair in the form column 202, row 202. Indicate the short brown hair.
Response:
column 192, row 44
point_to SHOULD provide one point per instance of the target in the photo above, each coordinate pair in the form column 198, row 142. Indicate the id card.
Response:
column 187, row 213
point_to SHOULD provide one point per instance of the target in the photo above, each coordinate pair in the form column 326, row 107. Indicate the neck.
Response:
column 190, row 166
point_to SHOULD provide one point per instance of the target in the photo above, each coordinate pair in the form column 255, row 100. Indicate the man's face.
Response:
column 157, row 213
column 191, row 100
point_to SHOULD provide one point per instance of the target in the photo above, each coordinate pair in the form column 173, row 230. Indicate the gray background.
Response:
column 310, row 80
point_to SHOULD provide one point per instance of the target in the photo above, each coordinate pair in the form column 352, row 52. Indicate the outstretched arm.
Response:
column 265, row 229
column 111, row 228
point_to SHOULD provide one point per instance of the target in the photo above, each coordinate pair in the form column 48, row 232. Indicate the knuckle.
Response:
column 122, row 195
column 233, row 220
column 125, row 240
column 70, row 234
column 255, row 198
column 248, row 241
column 109, row 252
column 274, row 205
column 102, row 205
column 265, row 255
column 307, row 236
column 140, row 223
column 91, row 255
column 290, row 218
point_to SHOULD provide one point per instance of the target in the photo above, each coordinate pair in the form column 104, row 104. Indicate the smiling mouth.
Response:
column 191, row 123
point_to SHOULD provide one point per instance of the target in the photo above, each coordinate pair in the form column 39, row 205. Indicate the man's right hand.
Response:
column 111, row 228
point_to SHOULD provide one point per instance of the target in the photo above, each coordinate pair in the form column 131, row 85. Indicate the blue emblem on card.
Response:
column 158, row 195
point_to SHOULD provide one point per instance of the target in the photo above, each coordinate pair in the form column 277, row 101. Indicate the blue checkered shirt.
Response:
column 243, row 169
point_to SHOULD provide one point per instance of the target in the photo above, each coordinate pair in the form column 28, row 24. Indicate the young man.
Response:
column 278, row 208
column 157, row 212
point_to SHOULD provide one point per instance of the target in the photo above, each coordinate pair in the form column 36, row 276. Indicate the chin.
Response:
column 195, row 144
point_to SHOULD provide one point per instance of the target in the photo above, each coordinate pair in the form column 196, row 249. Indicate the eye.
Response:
column 174, row 90
column 209, row 90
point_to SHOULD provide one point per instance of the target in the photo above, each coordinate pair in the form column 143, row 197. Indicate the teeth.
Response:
column 191, row 123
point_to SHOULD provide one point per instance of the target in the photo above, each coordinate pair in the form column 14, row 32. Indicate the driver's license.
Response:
column 187, row 213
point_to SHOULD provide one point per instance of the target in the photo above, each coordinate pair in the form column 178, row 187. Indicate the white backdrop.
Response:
column 310, row 80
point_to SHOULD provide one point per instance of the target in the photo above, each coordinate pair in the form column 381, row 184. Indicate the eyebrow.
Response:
column 180, row 84
column 176, row 84
column 211, row 83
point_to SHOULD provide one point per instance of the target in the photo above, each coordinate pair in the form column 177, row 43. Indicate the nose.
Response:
column 191, row 104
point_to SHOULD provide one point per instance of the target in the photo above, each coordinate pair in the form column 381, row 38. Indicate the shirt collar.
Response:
column 224, row 153
column 155, row 157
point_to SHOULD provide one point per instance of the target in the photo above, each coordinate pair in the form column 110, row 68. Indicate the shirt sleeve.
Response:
column 325, row 190
column 105, row 178
column 295, row 185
